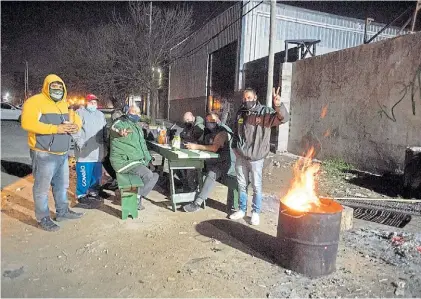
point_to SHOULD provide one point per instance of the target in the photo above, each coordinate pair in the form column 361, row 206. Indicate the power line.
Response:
column 196, row 49
column 215, row 12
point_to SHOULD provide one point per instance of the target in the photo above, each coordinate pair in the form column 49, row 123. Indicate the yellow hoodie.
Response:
column 41, row 116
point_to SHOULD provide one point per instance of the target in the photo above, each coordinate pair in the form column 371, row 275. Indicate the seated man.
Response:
column 192, row 133
column 216, row 140
column 129, row 153
column 193, row 128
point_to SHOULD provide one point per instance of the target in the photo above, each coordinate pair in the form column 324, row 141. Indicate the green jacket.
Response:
column 130, row 151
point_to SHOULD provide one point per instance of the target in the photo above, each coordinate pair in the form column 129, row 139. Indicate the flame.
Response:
column 302, row 195
column 327, row 133
column 324, row 112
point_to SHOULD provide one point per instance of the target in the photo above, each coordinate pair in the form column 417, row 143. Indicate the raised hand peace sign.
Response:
column 276, row 97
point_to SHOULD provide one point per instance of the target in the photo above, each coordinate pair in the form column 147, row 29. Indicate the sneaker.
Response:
column 238, row 215
column 255, row 218
column 68, row 215
column 48, row 225
column 140, row 207
column 191, row 207
column 113, row 185
column 87, row 203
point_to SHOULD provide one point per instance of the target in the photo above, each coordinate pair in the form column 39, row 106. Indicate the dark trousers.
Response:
column 108, row 168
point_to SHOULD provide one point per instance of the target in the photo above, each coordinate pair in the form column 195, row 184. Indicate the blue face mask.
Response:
column 91, row 108
column 134, row 117
column 56, row 94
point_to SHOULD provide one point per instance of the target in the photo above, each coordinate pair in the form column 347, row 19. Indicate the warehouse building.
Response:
column 230, row 52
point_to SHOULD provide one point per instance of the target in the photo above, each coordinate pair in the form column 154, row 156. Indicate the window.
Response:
column 5, row 106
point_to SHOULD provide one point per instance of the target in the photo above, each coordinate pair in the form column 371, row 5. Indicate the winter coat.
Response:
column 129, row 151
column 194, row 133
column 91, row 140
column 252, row 130
column 41, row 116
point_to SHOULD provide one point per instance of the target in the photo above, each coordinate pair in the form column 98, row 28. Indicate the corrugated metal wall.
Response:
column 335, row 32
column 189, row 74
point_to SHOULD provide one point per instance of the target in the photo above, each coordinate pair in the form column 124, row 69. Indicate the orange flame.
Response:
column 327, row 133
column 302, row 195
column 324, row 112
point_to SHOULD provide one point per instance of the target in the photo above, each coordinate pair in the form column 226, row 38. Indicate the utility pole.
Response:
column 414, row 18
column 271, row 61
column 26, row 79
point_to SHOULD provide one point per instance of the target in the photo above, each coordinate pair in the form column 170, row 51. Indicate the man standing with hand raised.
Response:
column 45, row 117
column 251, row 145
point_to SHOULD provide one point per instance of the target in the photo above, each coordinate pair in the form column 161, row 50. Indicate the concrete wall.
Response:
column 358, row 86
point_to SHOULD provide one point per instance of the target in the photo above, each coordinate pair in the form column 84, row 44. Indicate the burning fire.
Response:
column 302, row 195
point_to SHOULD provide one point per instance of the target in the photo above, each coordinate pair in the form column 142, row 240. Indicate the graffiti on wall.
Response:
column 410, row 89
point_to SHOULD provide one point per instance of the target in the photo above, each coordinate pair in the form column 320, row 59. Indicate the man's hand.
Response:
column 67, row 128
column 276, row 97
column 191, row 146
column 124, row 132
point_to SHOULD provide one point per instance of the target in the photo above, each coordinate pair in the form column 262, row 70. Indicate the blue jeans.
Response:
column 50, row 170
column 89, row 175
column 246, row 169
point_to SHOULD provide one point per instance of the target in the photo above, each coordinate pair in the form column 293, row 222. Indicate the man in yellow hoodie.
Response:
column 45, row 117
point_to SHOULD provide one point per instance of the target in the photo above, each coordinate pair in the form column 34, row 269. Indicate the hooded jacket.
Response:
column 252, row 130
column 129, row 151
column 41, row 116
column 91, row 140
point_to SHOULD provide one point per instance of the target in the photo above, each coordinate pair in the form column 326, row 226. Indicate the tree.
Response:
column 122, row 58
column 147, row 40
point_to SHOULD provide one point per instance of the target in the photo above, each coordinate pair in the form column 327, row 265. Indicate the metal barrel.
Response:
column 308, row 242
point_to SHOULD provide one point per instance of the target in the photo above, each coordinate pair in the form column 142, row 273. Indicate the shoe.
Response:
column 48, row 225
column 113, row 185
column 191, row 207
column 255, row 218
column 87, row 203
column 140, row 207
column 93, row 195
column 238, row 215
column 68, row 215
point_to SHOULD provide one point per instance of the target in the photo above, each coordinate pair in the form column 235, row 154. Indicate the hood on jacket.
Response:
column 199, row 121
column 46, row 86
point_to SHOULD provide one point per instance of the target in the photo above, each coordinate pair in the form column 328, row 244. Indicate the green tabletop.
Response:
column 166, row 151
column 181, row 159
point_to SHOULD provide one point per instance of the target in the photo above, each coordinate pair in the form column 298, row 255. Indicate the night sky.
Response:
column 27, row 26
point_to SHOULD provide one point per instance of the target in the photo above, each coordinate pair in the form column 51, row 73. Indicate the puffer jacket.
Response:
column 91, row 140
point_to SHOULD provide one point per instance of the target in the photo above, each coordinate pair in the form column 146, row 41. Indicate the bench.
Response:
column 128, row 184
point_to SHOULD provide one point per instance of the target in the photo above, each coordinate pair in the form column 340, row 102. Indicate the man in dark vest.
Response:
column 217, row 139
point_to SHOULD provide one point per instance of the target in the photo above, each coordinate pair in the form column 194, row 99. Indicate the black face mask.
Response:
column 249, row 104
column 211, row 126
